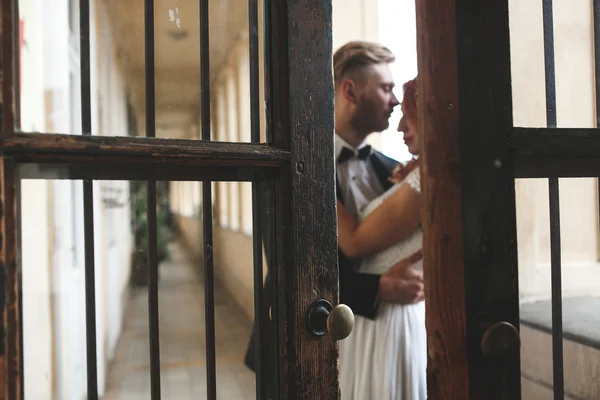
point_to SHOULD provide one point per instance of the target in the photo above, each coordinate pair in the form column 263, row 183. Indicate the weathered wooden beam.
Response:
column 470, row 257
column 102, row 150
column 443, row 262
column 300, row 114
column 11, row 376
column 555, row 152
column 9, row 273
column 555, row 143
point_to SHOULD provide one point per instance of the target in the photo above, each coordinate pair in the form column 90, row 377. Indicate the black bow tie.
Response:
column 347, row 154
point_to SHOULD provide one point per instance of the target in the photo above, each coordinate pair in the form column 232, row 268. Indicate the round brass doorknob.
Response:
column 323, row 318
column 501, row 340
column 340, row 322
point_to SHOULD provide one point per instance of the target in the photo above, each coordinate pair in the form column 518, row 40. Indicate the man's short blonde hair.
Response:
column 356, row 55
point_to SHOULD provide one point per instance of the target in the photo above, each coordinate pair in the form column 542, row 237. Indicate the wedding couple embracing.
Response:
column 379, row 235
column 379, row 232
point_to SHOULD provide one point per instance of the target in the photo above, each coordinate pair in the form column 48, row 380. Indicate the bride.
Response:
column 386, row 358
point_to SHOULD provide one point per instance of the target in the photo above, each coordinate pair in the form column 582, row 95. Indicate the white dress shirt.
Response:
column 358, row 181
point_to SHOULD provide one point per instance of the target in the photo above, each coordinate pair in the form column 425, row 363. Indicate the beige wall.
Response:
column 579, row 203
column 233, row 259
column 575, row 105
column 353, row 20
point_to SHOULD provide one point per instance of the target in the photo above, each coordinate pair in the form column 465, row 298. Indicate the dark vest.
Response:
column 383, row 167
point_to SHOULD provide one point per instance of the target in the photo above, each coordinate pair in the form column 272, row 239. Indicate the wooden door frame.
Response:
column 469, row 221
column 306, row 130
column 298, row 158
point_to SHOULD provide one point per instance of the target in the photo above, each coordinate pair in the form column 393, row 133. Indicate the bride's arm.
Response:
column 393, row 221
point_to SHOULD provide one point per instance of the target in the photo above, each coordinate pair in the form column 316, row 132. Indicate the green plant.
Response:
column 139, row 217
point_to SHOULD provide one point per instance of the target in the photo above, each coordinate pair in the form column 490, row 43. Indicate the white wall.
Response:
column 52, row 211
column 397, row 29
column 37, row 290
column 354, row 20
column 35, row 219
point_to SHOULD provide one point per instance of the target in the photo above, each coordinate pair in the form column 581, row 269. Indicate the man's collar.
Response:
column 341, row 143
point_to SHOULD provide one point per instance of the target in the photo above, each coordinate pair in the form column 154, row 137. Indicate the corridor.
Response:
column 182, row 341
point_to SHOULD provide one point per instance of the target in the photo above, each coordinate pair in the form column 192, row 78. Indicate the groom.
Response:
column 364, row 101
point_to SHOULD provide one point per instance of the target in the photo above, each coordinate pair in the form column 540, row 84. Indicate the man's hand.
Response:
column 403, row 283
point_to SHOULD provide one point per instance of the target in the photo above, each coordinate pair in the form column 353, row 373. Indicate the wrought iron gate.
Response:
column 296, row 160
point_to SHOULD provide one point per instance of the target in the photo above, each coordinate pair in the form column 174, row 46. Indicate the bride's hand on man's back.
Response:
column 401, row 171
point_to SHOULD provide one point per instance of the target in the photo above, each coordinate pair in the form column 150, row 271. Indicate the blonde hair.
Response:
column 356, row 55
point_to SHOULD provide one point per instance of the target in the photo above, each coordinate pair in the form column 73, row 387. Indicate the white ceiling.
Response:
column 177, row 54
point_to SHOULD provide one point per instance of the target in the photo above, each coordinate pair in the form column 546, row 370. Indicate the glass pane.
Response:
column 580, row 271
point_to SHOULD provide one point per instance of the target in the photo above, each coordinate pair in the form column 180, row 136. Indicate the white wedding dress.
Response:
column 386, row 358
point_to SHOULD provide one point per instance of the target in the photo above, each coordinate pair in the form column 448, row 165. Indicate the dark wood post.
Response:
column 470, row 254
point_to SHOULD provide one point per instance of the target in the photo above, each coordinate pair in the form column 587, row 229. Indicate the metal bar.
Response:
column 209, row 302
column 258, row 288
column 596, row 8
column 88, row 205
column 153, row 320
column 556, row 278
column 204, row 70
column 84, row 44
column 90, row 290
column 549, row 63
column 209, row 291
column 253, row 45
column 555, row 251
column 7, row 75
column 150, row 68
column 56, row 148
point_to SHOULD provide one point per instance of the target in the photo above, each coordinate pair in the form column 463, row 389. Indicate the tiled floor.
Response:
column 182, row 346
